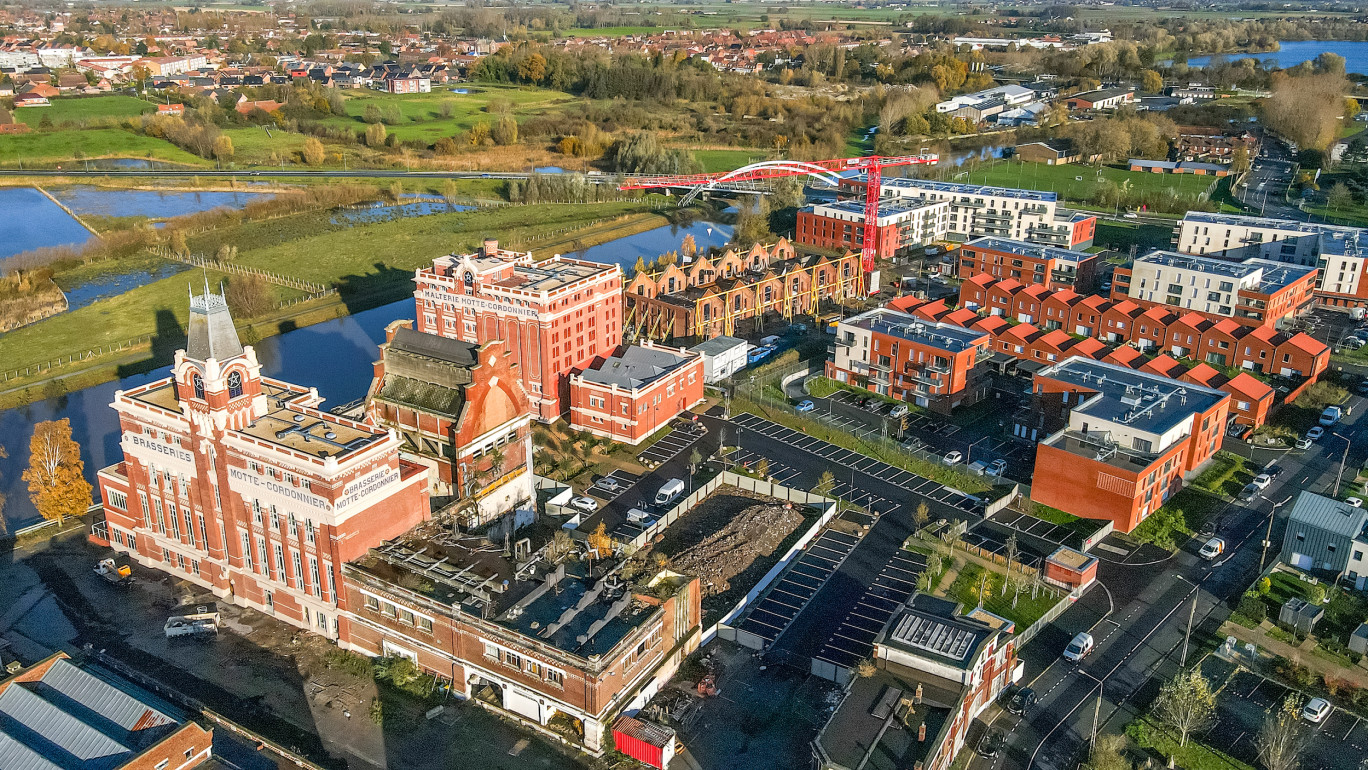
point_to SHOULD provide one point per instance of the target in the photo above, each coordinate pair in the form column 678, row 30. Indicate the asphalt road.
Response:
column 1266, row 184
column 1141, row 637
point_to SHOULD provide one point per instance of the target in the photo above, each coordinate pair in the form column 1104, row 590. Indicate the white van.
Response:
column 671, row 490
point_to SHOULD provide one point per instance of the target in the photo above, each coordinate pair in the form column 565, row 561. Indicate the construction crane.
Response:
column 830, row 171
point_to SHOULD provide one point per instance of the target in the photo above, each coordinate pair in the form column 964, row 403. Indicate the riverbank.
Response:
column 139, row 330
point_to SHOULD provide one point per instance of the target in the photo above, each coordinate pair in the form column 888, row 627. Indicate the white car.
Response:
column 586, row 504
column 1315, row 433
column 997, row 467
column 1079, row 648
column 1316, row 710
column 1303, row 443
column 899, row 411
column 952, row 457
column 1262, row 481
column 1330, row 416
column 1213, row 548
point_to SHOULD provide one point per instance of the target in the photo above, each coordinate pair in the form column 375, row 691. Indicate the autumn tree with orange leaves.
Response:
column 55, row 477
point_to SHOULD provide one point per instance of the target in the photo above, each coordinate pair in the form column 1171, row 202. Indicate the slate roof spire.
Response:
column 211, row 334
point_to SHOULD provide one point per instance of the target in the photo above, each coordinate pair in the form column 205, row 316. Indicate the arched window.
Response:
column 198, row 382
column 234, row 384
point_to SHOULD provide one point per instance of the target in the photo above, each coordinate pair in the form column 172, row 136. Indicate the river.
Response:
column 335, row 356
column 1293, row 52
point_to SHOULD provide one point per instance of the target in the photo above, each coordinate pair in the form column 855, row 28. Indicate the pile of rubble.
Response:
column 755, row 532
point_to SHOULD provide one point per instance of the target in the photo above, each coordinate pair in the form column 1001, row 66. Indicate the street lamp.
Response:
column 1343, row 459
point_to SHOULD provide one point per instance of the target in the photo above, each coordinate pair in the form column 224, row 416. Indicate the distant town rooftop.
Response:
column 953, row 188
column 1028, row 249
column 908, row 327
column 1128, row 397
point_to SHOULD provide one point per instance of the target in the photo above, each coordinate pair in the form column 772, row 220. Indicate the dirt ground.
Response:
column 730, row 540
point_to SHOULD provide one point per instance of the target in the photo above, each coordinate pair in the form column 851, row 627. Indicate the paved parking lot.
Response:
column 1339, row 742
column 625, row 482
column 796, row 587
column 853, row 640
column 845, row 458
column 682, row 437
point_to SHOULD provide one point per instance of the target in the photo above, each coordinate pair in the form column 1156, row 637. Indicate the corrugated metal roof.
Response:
column 103, row 698
column 16, row 756
column 24, row 711
column 1328, row 514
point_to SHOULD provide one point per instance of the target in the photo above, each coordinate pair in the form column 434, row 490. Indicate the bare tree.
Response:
column 1012, row 580
column 1280, row 742
column 1187, row 704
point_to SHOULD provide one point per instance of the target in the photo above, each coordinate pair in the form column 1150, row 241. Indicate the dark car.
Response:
column 991, row 743
column 1021, row 700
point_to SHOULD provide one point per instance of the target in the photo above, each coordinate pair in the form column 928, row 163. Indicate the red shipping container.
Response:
column 645, row 742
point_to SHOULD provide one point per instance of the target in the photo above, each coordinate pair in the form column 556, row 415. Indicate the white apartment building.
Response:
column 976, row 211
column 1012, row 96
column 1338, row 252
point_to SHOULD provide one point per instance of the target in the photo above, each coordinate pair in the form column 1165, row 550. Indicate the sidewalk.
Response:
column 1357, row 675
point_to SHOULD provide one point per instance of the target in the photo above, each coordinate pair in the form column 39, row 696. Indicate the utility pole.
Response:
column 1343, row 459
column 1192, row 613
column 1097, row 714
column 1268, row 536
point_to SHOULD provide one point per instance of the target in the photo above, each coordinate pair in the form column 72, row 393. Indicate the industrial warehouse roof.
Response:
column 635, row 367
column 74, row 718
column 1328, row 514
column 1139, row 400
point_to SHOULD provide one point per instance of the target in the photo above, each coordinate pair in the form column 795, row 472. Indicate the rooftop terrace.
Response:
column 1127, row 397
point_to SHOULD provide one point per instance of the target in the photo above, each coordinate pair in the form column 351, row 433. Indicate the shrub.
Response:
column 1252, row 607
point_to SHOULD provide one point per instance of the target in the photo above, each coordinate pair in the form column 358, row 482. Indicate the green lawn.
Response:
column 421, row 114
column 1148, row 734
column 1227, row 475
column 74, row 109
column 314, row 249
column 1122, row 235
column 726, row 160
column 53, row 148
column 610, row 31
column 1065, row 180
column 1183, row 514
column 1027, row 610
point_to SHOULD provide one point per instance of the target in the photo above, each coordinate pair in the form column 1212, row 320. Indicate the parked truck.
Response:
column 194, row 621
column 113, row 573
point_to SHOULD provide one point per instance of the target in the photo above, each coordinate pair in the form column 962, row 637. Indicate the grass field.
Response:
column 1120, row 236
column 52, row 148
column 360, row 260
column 610, row 31
column 1065, row 180
column 726, row 160
column 421, row 114
column 75, row 109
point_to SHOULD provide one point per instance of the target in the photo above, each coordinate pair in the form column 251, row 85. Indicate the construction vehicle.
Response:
column 113, row 573
column 195, row 621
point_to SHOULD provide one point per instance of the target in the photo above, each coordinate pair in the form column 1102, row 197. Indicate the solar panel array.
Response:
column 934, row 636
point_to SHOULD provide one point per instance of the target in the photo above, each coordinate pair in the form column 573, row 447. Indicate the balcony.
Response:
column 878, row 367
column 940, row 368
column 880, row 378
column 996, row 216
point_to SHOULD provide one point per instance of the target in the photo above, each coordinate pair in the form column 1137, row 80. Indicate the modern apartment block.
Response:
column 631, row 394
column 896, row 354
column 460, row 411
column 555, row 315
column 901, row 226
column 976, row 211
column 1253, row 292
column 1121, row 441
column 1029, row 263
column 245, row 486
column 1339, row 253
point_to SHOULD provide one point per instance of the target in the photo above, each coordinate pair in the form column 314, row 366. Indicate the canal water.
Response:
column 334, row 356
column 1290, row 53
